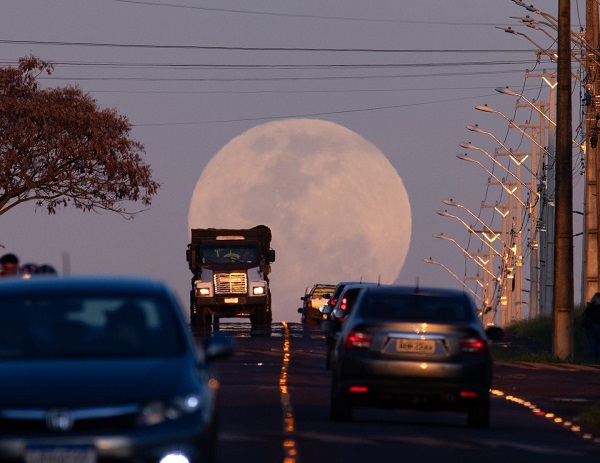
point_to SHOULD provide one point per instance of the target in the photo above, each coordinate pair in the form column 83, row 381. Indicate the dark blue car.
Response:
column 102, row 369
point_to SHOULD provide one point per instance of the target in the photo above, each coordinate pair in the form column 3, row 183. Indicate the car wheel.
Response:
column 479, row 415
column 328, row 359
column 341, row 408
column 341, row 405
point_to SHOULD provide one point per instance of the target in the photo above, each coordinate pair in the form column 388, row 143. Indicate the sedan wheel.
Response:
column 341, row 408
column 479, row 415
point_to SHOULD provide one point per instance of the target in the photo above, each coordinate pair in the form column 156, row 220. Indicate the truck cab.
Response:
column 231, row 269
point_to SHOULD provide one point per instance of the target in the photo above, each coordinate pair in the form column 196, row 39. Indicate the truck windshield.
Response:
column 227, row 254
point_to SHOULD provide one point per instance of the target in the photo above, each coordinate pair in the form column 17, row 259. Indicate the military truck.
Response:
column 230, row 270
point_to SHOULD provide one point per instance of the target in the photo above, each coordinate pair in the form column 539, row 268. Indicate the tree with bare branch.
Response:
column 57, row 147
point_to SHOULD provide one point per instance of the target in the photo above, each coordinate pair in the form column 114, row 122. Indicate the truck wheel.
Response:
column 202, row 318
column 262, row 316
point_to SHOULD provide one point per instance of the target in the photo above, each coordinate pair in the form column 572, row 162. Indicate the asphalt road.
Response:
column 274, row 407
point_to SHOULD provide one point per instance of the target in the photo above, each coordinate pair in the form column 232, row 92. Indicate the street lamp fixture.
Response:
column 533, row 9
column 553, row 56
column 447, row 214
column 475, row 128
column 470, row 146
column 511, row 123
column 456, row 277
column 507, row 91
column 510, row 191
column 490, row 235
column 441, row 236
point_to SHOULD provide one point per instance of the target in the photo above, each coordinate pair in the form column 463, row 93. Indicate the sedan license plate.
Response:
column 231, row 300
column 415, row 345
column 58, row 454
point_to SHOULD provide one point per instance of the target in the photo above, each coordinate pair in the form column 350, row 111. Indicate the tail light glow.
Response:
column 344, row 304
column 474, row 345
column 358, row 389
column 358, row 340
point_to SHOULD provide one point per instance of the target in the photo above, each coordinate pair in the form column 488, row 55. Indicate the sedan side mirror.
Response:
column 494, row 333
column 325, row 309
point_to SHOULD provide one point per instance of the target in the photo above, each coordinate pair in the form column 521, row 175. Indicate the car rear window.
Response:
column 318, row 292
column 417, row 308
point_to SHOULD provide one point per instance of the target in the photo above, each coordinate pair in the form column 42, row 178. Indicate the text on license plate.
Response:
column 231, row 300
column 51, row 454
column 415, row 345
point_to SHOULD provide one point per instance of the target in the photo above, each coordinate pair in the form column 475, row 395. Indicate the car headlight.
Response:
column 157, row 411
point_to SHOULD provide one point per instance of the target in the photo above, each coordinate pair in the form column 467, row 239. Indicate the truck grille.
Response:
column 231, row 283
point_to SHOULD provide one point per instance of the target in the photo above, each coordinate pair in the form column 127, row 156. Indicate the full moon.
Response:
column 337, row 208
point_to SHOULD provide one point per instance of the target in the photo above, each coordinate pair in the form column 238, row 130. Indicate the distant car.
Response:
column 101, row 369
column 337, row 314
column 407, row 347
column 313, row 300
column 335, row 295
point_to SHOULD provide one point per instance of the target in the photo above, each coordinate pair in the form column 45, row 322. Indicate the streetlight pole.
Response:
column 591, row 264
column 547, row 210
column 517, row 230
column 563, row 248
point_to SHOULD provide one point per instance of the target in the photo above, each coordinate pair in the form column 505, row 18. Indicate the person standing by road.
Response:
column 9, row 265
column 591, row 322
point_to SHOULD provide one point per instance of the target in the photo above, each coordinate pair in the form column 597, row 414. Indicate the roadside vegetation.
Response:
column 531, row 341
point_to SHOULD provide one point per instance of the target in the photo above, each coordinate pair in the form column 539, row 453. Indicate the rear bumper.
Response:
column 314, row 314
column 418, row 385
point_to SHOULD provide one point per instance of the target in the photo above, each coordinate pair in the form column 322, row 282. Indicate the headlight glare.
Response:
column 156, row 412
column 153, row 413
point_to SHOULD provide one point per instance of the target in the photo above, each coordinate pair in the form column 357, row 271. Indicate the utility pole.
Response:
column 562, row 346
column 591, row 264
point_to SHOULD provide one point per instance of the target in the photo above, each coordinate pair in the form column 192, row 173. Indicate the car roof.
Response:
column 422, row 291
column 57, row 284
column 322, row 285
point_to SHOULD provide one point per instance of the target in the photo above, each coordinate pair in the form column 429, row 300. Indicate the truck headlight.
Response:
column 203, row 288
column 258, row 290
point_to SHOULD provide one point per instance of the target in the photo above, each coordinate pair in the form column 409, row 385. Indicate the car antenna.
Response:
column 417, row 285
column 379, row 280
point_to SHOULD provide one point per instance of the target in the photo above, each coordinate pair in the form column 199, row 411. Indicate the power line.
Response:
column 273, row 79
column 325, row 113
column 284, row 49
column 300, row 15
column 134, row 65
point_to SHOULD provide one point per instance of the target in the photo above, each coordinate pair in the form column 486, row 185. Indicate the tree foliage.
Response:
column 57, row 147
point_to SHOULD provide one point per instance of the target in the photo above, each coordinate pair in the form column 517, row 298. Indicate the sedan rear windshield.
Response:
column 417, row 308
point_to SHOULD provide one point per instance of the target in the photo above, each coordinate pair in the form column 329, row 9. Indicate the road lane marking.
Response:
column 567, row 424
column 290, row 451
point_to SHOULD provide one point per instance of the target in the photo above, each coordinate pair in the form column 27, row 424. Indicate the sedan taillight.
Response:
column 344, row 303
column 474, row 345
column 358, row 340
